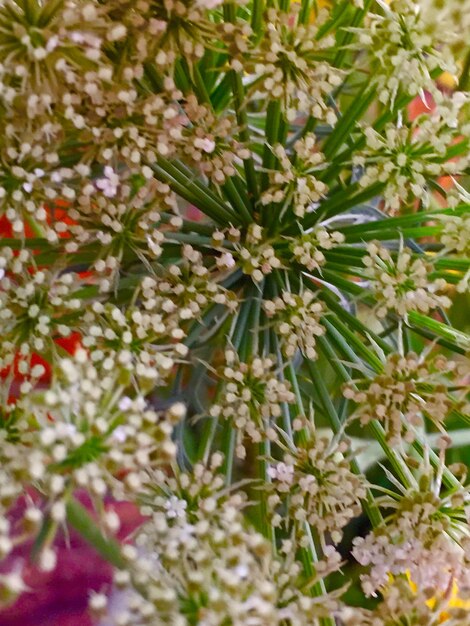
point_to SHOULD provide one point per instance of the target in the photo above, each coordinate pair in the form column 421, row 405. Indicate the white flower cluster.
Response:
column 405, row 46
column 83, row 432
column 452, row 15
column 33, row 305
column 455, row 238
column 402, row 284
column 425, row 537
column 294, row 182
column 195, row 561
column 257, row 256
column 150, row 126
column 208, row 142
column 251, row 397
column 297, row 320
column 126, row 222
column 286, row 66
column 36, row 67
column 186, row 289
column 402, row 602
column 144, row 342
column 455, row 234
column 315, row 484
column 31, row 176
column 409, row 388
column 307, row 249
column 164, row 30
column 405, row 158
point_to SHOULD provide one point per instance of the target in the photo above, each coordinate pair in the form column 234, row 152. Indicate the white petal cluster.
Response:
column 455, row 238
column 455, row 234
column 297, row 320
column 401, row 284
column 84, row 432
column 196, row 562
column 146, row 343
column 418, row 541
column 208, row 142
column 307, row 249
column 251, row 397
column 315, row 484
column 185, row 290
column 408, row 389
column 33, row 305
column 294, row 181
column 406, row 46
column 453, row 16
column 256, row 254
column 287, row 68
column 406, row 158
column 161, row 31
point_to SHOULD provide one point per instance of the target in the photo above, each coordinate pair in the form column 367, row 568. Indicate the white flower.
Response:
column 209, row 4
column 176, row 508
column 282, row 472
column 110, row 183
column 402, row 284
column 206, row 144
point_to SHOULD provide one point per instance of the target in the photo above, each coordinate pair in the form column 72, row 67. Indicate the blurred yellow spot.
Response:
column 446, row 79
column 320, row 4
column 452, row 601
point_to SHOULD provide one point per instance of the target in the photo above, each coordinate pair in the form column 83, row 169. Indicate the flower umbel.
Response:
column 217, row 218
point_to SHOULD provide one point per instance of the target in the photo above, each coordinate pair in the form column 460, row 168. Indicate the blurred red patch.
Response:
column 60, row 598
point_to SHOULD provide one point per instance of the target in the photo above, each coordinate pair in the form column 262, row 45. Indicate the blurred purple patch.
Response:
column 60, row 597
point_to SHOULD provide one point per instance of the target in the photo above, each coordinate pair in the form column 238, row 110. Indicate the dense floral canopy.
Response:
column 234, row 235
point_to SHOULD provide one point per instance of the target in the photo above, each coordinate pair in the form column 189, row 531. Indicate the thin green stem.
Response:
column 448, row 477
column 201, row 91
column 194, row 239
column 245, row 340
column 196, row 194
column 264, row 450
column 394, row 457
column 306, row 9
column 309, row 554
column 236, row 201
column 464, row 82
column 210, row 426
column 257, row 17
column 35, row 243
column 229, row 437
column 84, row 524
column 319, row 588
column 35, row 226
column 273, row 125
column 370, row 507
column 238, row 91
